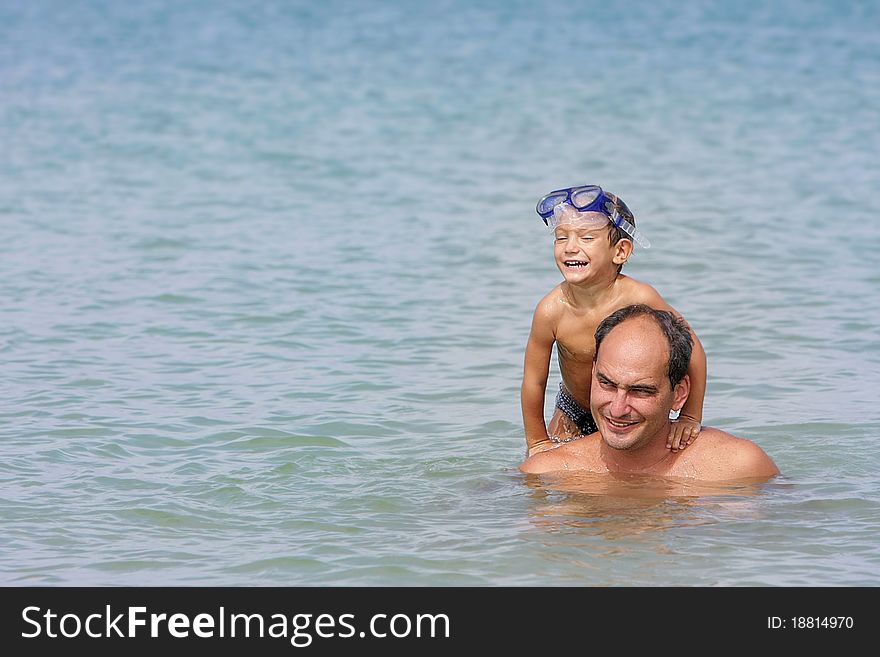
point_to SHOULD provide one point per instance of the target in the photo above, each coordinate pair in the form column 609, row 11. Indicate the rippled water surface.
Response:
column 267, row 272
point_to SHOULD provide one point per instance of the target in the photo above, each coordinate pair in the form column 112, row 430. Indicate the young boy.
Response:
column 594, row 233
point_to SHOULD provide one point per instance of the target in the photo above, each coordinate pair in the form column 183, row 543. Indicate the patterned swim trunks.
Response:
column 582, row 417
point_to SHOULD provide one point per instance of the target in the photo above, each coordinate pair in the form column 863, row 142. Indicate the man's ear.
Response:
column 622, row 251
column 681, row 391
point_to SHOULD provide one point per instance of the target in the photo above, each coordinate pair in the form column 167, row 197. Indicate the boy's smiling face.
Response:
column 583, row 250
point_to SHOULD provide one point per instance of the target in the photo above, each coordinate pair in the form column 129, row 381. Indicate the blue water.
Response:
column 267, row 271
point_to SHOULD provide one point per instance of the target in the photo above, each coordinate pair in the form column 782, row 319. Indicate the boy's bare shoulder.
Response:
column 634, row 291
column 552, row 305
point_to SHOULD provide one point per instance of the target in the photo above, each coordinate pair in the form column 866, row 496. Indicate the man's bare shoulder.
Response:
column 580, row 454
column 719, row 456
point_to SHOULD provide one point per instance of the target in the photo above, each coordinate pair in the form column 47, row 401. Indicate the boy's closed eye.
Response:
column 583, row 237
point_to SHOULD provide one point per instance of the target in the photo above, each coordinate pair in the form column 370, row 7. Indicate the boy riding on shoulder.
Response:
column 594, row 232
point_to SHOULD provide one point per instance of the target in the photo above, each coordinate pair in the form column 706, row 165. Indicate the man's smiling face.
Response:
column 631, row 395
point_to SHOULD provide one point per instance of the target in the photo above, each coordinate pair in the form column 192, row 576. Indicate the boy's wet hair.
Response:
column 616, row 234
column 674, row 329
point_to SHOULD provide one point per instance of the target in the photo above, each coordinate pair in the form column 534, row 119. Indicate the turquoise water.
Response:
column 267, row 272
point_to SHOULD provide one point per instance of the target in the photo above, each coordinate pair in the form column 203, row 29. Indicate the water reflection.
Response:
column 618, row 506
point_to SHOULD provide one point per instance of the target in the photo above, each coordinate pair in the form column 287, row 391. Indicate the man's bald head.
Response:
column 678, row 338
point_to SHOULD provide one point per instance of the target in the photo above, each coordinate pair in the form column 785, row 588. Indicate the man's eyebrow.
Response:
column 643, row 387
column 639, row 387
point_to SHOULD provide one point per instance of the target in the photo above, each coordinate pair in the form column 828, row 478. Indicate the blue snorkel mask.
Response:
column 587, row 199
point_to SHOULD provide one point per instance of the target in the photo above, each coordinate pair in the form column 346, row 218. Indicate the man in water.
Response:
column 639, row 375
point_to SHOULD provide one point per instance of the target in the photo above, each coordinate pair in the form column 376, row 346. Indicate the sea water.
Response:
column 267, row 271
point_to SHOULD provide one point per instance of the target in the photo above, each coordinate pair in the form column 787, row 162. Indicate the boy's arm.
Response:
column 686, row 429
column 536, row 370
column 692, row 412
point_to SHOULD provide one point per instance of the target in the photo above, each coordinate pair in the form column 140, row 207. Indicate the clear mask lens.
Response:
column 582, row 198
column 565, row 213
column 575, row 206
column 549, row 202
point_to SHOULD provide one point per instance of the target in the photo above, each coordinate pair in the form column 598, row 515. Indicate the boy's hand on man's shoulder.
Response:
column 683, row 432
column 542, row 446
